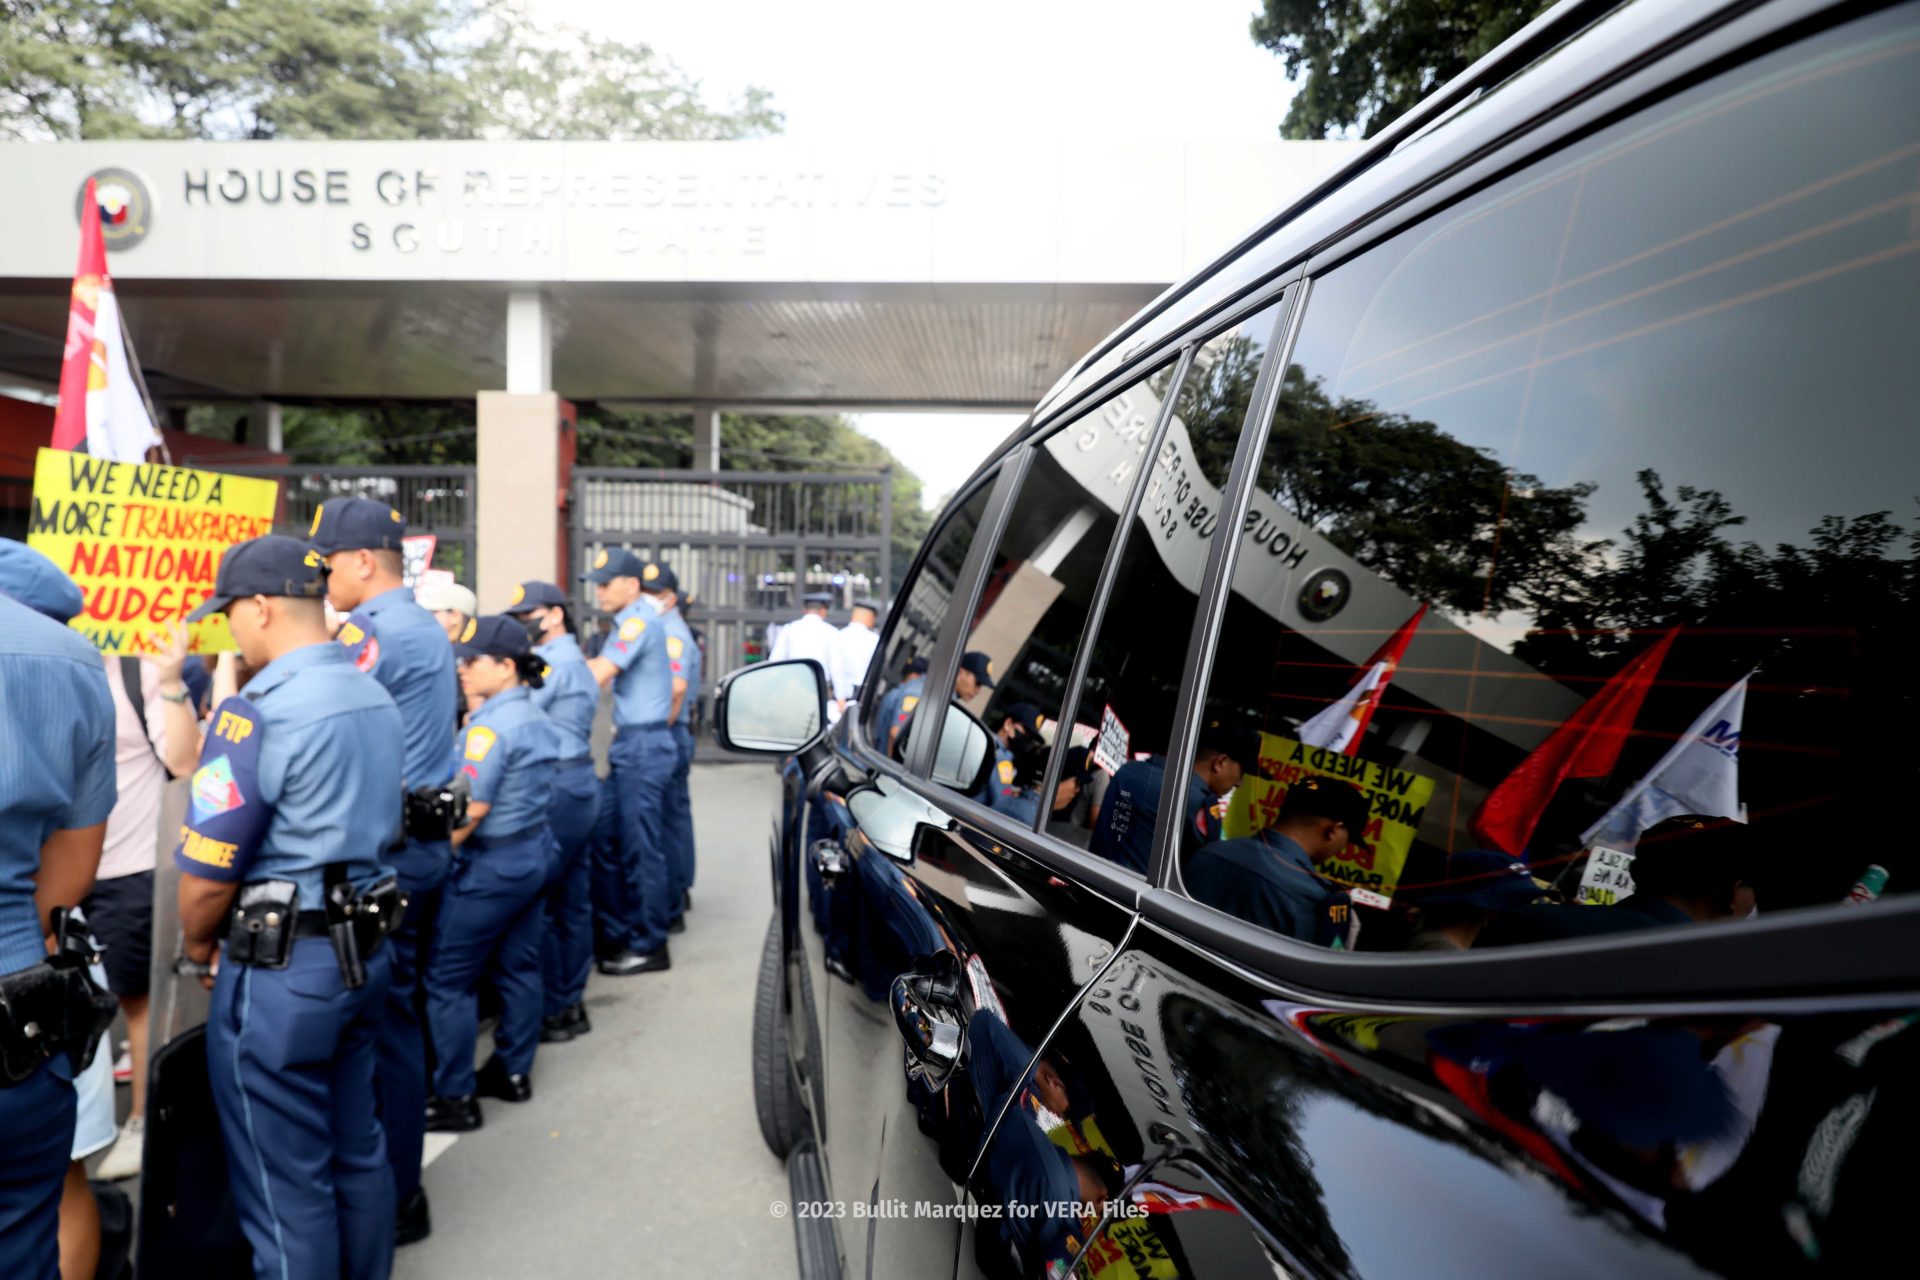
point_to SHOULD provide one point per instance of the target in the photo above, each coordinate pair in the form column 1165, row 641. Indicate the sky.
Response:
column 881, row 69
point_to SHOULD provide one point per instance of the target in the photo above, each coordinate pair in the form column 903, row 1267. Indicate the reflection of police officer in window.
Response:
column 57, row 786
column 1272, row 878
column 1123, row 833
column 896, row 707
column 297, row 792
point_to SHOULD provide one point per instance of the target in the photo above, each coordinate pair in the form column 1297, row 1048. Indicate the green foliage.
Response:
column 390, row 69
column 1362, row 64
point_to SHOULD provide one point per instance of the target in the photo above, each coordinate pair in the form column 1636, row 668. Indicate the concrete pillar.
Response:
column 517, row 492
column 706, row 439
column 264, row 428
column 529, row 343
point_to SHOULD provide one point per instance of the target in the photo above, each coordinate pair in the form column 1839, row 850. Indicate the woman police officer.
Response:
column 490, row 919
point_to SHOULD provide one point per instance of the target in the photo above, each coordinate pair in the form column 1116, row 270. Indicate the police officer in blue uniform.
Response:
column 661, row 587
column 492, row 913
column 399, row 644
column 1272, row 878
column 634, row 662
column 1019, row 761
column 1124, row 831
column 56, row 789
column 897, row 704
column 297, row 795
column 569, row 698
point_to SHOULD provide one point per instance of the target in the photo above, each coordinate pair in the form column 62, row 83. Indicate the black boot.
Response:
column 495, row 1081
column 557, row 1028
column 453, row 1115
column 576, row 1016
column 413, row 1223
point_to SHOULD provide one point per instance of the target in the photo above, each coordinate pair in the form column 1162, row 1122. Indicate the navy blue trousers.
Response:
column 402, row 1071
column 608, row 877
column 680, row 821
column 489, row 926
column 36, row 1140
column 291, row 1053
column 566, row 948
column 643, row 764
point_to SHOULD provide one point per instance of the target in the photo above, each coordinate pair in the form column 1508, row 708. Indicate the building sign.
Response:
column 126, row 207
column 143, row 541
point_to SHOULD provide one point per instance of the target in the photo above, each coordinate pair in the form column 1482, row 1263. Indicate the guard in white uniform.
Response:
column 853, row 647
column 810, row 636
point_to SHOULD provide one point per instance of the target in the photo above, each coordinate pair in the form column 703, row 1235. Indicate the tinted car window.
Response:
column 1032, row 615
column 1125, row 706
column 917, row 613
column 1583, row 546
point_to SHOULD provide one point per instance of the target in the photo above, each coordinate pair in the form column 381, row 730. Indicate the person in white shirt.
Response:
column 810, row 636
column 853, row 647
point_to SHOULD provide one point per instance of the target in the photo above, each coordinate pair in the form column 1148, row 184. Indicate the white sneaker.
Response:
column 123, row 1158
column 123, row 1067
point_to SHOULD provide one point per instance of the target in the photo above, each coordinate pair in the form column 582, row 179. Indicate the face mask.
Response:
column 535, row 628
column 659, row 603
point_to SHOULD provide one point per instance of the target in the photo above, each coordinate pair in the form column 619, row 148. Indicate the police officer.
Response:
column 57, row 787
column 853, row 647
column 490, row 919
column 1272, row 878
column 398, row 643
column 661, row 588
column 569, row 697
column 1018, row 748
column 296, row 796
column 896, row 706
column 634, row 662
column 811, row 636
column 975, row 674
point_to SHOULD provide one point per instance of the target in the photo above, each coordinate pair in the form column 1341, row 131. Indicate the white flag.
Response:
column 1337, row 726
column 118, row 425
column 1699, row 774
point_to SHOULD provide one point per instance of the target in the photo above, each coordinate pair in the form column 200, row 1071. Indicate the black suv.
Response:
column 1407, row 774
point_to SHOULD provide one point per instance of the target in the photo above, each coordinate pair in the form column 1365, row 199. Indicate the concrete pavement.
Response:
column 639, row 1154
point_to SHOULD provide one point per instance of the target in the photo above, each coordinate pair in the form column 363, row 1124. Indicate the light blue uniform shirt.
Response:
column 300, row 771
column 509, row 750
column 894, row 709
column 56, row 767
column 643, row 691
column 683, row 661
column 394, row 640
column 570, row 695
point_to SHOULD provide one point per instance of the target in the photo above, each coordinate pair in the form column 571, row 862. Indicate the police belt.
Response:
column 267, row 920
column 648, row 727
column 53, row 1007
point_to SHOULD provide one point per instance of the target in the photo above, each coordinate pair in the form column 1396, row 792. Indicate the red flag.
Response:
column 1586, row 745
column 1343, row 725
column 102, row 408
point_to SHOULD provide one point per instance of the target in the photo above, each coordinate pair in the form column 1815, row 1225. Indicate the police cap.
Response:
column 1483, row 878
column 274, row 565
column 917, row 665
column 817, row 599
column 534, row 594
column 868, row 603
column 1238, row 743
column 1027, row 716
column 354, row 524
column 613, row 562
column 980, row 665
column 656, row 576
column 1317, row 796
column 36, row 582
column 494, row 636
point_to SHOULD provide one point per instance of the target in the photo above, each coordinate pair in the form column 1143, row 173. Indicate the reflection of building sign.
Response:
column 1325, row 594
column 126, row 207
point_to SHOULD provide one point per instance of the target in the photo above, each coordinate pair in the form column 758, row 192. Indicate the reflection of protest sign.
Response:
column 1110, row 751
column 416, row 554
column 1397, row 799
column 1607, row 877
column 143, row 541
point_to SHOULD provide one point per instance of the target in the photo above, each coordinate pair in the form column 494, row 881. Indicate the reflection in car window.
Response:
column 917, row 614
column 1582, row 553
column 1033, row 607
column 1124, row 709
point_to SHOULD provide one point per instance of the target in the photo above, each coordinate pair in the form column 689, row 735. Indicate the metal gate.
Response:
column 745, row 545
column 436, row 500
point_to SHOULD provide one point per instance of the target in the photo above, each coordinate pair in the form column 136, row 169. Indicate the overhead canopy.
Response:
column 763, row 273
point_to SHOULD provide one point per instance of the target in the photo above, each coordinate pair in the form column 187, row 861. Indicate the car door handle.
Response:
column 830, row 859
column 926, row 1009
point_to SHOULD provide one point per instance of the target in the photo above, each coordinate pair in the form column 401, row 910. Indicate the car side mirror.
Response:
column 964, row 754
column 773, row 709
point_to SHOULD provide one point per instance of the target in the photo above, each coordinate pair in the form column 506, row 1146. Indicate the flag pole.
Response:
column 140, row 384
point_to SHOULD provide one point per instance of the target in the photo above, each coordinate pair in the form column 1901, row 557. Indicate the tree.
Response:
column 389, row 69
column 1366, row 63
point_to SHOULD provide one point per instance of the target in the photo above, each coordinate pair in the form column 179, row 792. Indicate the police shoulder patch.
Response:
column 908, row 703
column 480, row 740
column 632, row 628
column 356, row 634
column 1006, row 772
column 674, row 646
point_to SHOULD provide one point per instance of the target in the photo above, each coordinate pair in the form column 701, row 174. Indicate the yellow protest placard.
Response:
column 143, row 541
column 1397, row 800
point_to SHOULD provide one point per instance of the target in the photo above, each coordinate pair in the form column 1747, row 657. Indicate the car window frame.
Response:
column 1822, row 951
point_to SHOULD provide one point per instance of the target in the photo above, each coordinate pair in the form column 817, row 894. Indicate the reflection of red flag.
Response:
column 1343, row 725
column 1587, row 745
column 101, row 407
